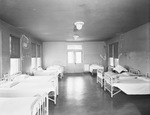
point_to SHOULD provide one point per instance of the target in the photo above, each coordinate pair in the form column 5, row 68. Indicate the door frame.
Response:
column 75, row 50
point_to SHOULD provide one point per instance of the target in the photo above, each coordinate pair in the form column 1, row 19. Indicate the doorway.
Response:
column 74, row 59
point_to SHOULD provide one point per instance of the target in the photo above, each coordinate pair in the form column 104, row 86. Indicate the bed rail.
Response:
column 109, row 80
column 40, row 107
column 100, row 77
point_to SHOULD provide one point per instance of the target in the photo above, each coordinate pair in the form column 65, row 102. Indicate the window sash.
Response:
column 14, row 47
column 33, row 62
column 38, row 51
column 113, row 54
column 116, row 50
column 38, row 62
column 15, row 66
column 33, row 49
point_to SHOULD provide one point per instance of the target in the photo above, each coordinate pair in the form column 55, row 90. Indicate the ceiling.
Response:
column 52, row 20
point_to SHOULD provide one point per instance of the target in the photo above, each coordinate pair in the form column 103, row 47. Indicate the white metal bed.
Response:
column 22, row 106
column 95, row 67
column 18, row 93
column 46, row 83
column 58, row 68
column 131, row 83
column 100, row 76
column 47, row 87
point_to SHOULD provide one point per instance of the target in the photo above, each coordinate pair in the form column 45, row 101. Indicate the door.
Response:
column 74, row 61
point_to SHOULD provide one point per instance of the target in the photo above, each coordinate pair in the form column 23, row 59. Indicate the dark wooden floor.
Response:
column 80, row 95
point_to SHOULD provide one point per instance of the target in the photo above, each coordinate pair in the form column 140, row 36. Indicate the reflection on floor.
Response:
column 80, row 95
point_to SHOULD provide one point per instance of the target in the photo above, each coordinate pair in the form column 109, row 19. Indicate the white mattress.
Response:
column 17, row 106
column 9, row 92
column 45, row 73
column 132, row 86
column 39, row 79
column 57, row 68
column 45, row 86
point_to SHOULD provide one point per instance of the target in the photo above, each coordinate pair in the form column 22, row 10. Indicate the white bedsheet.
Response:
column 45, row 73
column 132, row 86
column 45, row 86
column 17, row 106
column 39, row 82
column 58, row 68
column 39, row 79
column 10, row 92
column 95, row 66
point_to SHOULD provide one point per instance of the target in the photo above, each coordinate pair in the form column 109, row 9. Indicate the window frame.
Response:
column 15, row 54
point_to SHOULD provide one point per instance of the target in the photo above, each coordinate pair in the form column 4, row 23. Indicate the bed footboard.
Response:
column 40, row 107
column 100, row 77
column 109, row 80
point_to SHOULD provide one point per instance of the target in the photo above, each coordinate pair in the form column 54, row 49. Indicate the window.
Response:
column 33, row 58
column 113, row 54
column 116, row 59
column 70, row 57
column 15, row 65
column 78, row 57
column 74, row 54
column 36, row 56
column 38, row 62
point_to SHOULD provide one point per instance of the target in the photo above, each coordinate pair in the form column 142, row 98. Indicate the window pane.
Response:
column 110, row 50
column 111, row 61
column 78, row 57
column 14, row 47
column 116, row 50
column 116, row 61
column 38, row 62
column 14, row 65
column 74, row 47
column 33, row 50
column 70, row 57
column 33, row 63
column 38, row 51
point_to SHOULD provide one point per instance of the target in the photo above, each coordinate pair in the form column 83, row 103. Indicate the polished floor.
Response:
column 80, row 95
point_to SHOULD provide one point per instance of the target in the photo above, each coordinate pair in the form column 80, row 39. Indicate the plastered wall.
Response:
column 135, row 47
column 92, row 52
column 0, row 52
column 56, row 53
column 6, row 30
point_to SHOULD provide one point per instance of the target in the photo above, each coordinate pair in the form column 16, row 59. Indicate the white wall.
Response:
column 135, row 48
column 92, row 51
column 56, row 53
column 0, row 53
column 6, row 30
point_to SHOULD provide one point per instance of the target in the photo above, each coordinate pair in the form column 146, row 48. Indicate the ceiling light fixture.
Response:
column 75, row 37
column 79, row 25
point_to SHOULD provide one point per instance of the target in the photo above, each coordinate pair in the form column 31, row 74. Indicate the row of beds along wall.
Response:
column 24, row 94
column 126, row 79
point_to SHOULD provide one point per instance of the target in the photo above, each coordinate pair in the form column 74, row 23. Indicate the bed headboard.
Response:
column 148, row 75
column 135, row 71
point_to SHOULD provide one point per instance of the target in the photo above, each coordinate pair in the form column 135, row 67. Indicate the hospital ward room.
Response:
column 74, row 57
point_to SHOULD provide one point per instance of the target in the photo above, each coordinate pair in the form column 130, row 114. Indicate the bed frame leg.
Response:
column 104, row 86
column 111, row 90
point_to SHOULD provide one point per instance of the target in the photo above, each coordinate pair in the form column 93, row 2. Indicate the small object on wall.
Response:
column 25, row 42
column 103, row 57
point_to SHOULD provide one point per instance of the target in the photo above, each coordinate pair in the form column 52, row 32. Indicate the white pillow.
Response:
column 120, row 69
column 39, row 69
